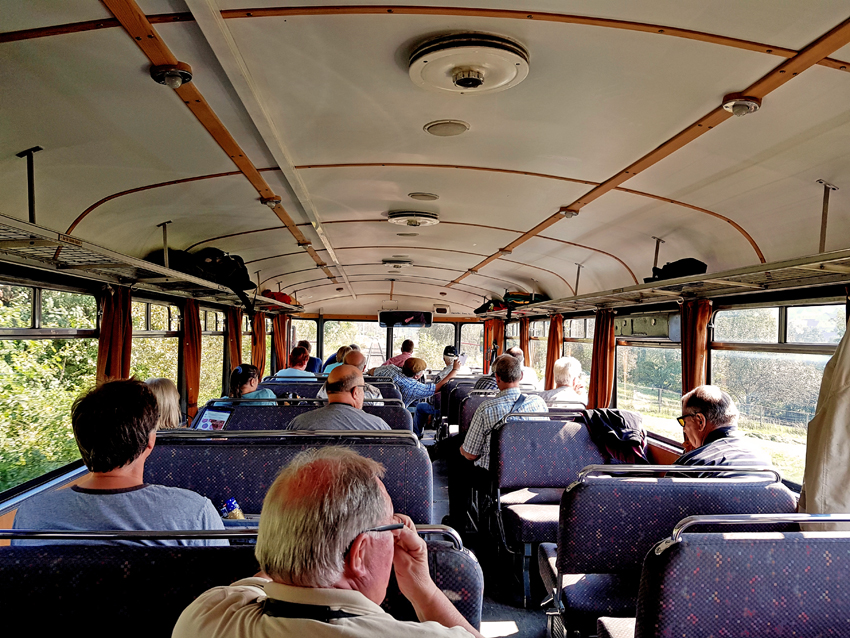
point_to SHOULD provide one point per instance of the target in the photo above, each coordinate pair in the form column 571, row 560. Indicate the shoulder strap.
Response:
column 518, row 403
column 284, row 609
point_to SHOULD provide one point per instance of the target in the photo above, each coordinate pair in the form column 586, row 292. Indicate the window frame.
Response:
column 35, row 330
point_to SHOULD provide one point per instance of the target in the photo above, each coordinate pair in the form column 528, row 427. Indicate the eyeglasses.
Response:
column 381, row 528
column 681, row 419
column 362, row 387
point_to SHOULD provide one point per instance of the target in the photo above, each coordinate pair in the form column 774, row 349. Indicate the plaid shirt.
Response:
column 488, row 414
column 411, row 390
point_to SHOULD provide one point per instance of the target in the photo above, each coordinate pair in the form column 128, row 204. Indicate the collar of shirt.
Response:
column 348, row 600
column 725, row 432
column 507, row 392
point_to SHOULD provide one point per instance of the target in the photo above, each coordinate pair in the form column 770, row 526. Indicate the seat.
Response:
column 608, row 523
column 468, row 405
column 242, row 465
column 396, row 416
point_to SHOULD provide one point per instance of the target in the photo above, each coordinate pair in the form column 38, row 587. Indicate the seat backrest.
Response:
column 540, row 453
column 608, row 524
column 455, row 398
column 244, row 468
column 143, row 590
column 756, row 584
column 396, row 416
column 307, row 389
column 279, row 417
column 468, row 406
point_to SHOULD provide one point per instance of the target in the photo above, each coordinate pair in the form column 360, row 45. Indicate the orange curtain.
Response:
column 192, row 354
column 695, row 317
column 554, row 347
column 280, row 338
column 116, row 335
column 258, row 342
column 602, row 368
column 234, row 335
column 494, row 331
column 523, row 339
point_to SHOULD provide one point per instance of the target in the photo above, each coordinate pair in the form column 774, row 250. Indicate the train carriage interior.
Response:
column 652, row 187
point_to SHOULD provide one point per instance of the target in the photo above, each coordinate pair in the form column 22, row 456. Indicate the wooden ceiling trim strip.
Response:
column 141, row 30
column 806, row 58
column 655, row 29
column 675, row 202
column 379, row 294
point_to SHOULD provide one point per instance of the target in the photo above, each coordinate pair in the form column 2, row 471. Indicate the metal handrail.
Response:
column 539, row 416
column 752, row 519
column 287, row 434
column 442, row 530
column 684, row 469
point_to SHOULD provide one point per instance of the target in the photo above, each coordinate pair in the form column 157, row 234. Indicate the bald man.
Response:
column 358, row 360
column 344, row 410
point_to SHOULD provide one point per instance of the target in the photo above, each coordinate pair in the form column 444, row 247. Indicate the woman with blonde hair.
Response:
column 168, row 400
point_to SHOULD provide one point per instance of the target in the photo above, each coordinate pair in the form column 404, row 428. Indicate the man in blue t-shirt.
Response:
column 115, row 429
column 314, row 364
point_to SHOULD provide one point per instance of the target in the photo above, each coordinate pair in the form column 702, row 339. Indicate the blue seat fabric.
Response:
column 279, row 417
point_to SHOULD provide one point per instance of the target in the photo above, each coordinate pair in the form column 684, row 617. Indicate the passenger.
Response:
column 406, row 353
column 529, row 376
column 568, row 386
column 449, row 356
column 344, row 410
column 168, row 401
column 340, row 357
column 412, row 390
column 710, row 423
column 327, row 543
column 469, row 463
column 488, row 381
column 298, row 360
column 115, row 429
column 243, row 385
column 358, row 360
column 314, row 365
column 332, row 359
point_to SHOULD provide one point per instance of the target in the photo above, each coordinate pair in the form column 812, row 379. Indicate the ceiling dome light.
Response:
column 423, row 197
column 172, row 75
column 407, row 234
column 446, row 128
column 414, row 218
column 468, row 63
column 740, row 105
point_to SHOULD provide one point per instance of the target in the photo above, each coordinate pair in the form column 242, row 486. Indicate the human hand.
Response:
column 410, row 561
column 456, row 364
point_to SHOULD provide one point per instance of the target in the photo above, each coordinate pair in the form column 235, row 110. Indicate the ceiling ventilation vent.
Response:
column 468, row 63
column 397, row 263
column 413, row 218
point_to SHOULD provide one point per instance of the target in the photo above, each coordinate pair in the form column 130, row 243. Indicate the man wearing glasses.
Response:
column 344, row 411
column 327, row 543
column 710, row 423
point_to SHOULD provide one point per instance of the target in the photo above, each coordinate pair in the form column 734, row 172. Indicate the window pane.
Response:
column 583, row 352
column 649, row 381
column 428, row 342
column 776, row 395
column 153, row 357
column 816, row 324
column 267, row 370
column 15, row 307
column 750, row 325
column 590, row 325
column 305, row 330
column 538, row 346
column 39, row 381
column 212, row 361
column 371, row 338
column 246, row 324
column 159, row 317
column 68, row 310
column 574, row 328
column 472, row 343
column 174, row 318
column 512, row 330
column 246, row 350
column 219, row 322
column 137, row 313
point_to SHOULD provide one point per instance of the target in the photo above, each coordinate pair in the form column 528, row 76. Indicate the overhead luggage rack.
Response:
column 31, row 245
column 814, row 270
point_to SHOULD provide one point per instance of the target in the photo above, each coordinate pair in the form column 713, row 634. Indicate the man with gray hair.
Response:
column 358, row 360
column 710, row 423
column 568, row 386
column 327, row 542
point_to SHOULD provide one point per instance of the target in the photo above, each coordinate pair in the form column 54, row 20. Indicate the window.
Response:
column 246, row 339
column 212, row 356
column 512, row 335
column 371, row 338
column 472, row 343
column 304, row 330
column 40, row 377
column 538, row 345
column 429, row 343
column 649, row 381
column 156, row 332
column 771, row 362
column 578, row 343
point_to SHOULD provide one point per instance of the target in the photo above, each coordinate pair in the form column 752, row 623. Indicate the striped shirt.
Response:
column 725, row 446
column 488, row 414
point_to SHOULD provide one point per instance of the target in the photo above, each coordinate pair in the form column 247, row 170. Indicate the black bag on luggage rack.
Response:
column 679, row 268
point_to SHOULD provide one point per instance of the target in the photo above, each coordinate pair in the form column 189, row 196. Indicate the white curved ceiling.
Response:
column 319, row 99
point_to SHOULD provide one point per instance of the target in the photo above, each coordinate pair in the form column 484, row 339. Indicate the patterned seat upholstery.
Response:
column 456, row 397
column 244, row 469
column 396, row 416
column 466, row 410
column 308, row 389
column 750, row 584
column 608, row 524
column 278, row 417
column 141, row 591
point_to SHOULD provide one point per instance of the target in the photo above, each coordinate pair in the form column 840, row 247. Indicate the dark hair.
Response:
column 305, row 344
column 299, row 356
column 113, row 422
column 508, row 368
column 343, row 385
column 516, row 353
column 407, row 346
column 240, row 376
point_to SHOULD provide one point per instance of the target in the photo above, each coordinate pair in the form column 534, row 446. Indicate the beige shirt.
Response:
column 236, row 612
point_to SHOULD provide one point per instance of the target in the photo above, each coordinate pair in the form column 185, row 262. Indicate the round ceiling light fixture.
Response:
column 446, row 128
column 423, row 197
column 741, row 105
column 468, row 63
column 414, row 218
column 172, row 75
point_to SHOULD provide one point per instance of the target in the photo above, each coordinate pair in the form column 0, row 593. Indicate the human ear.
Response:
column 355, row 560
